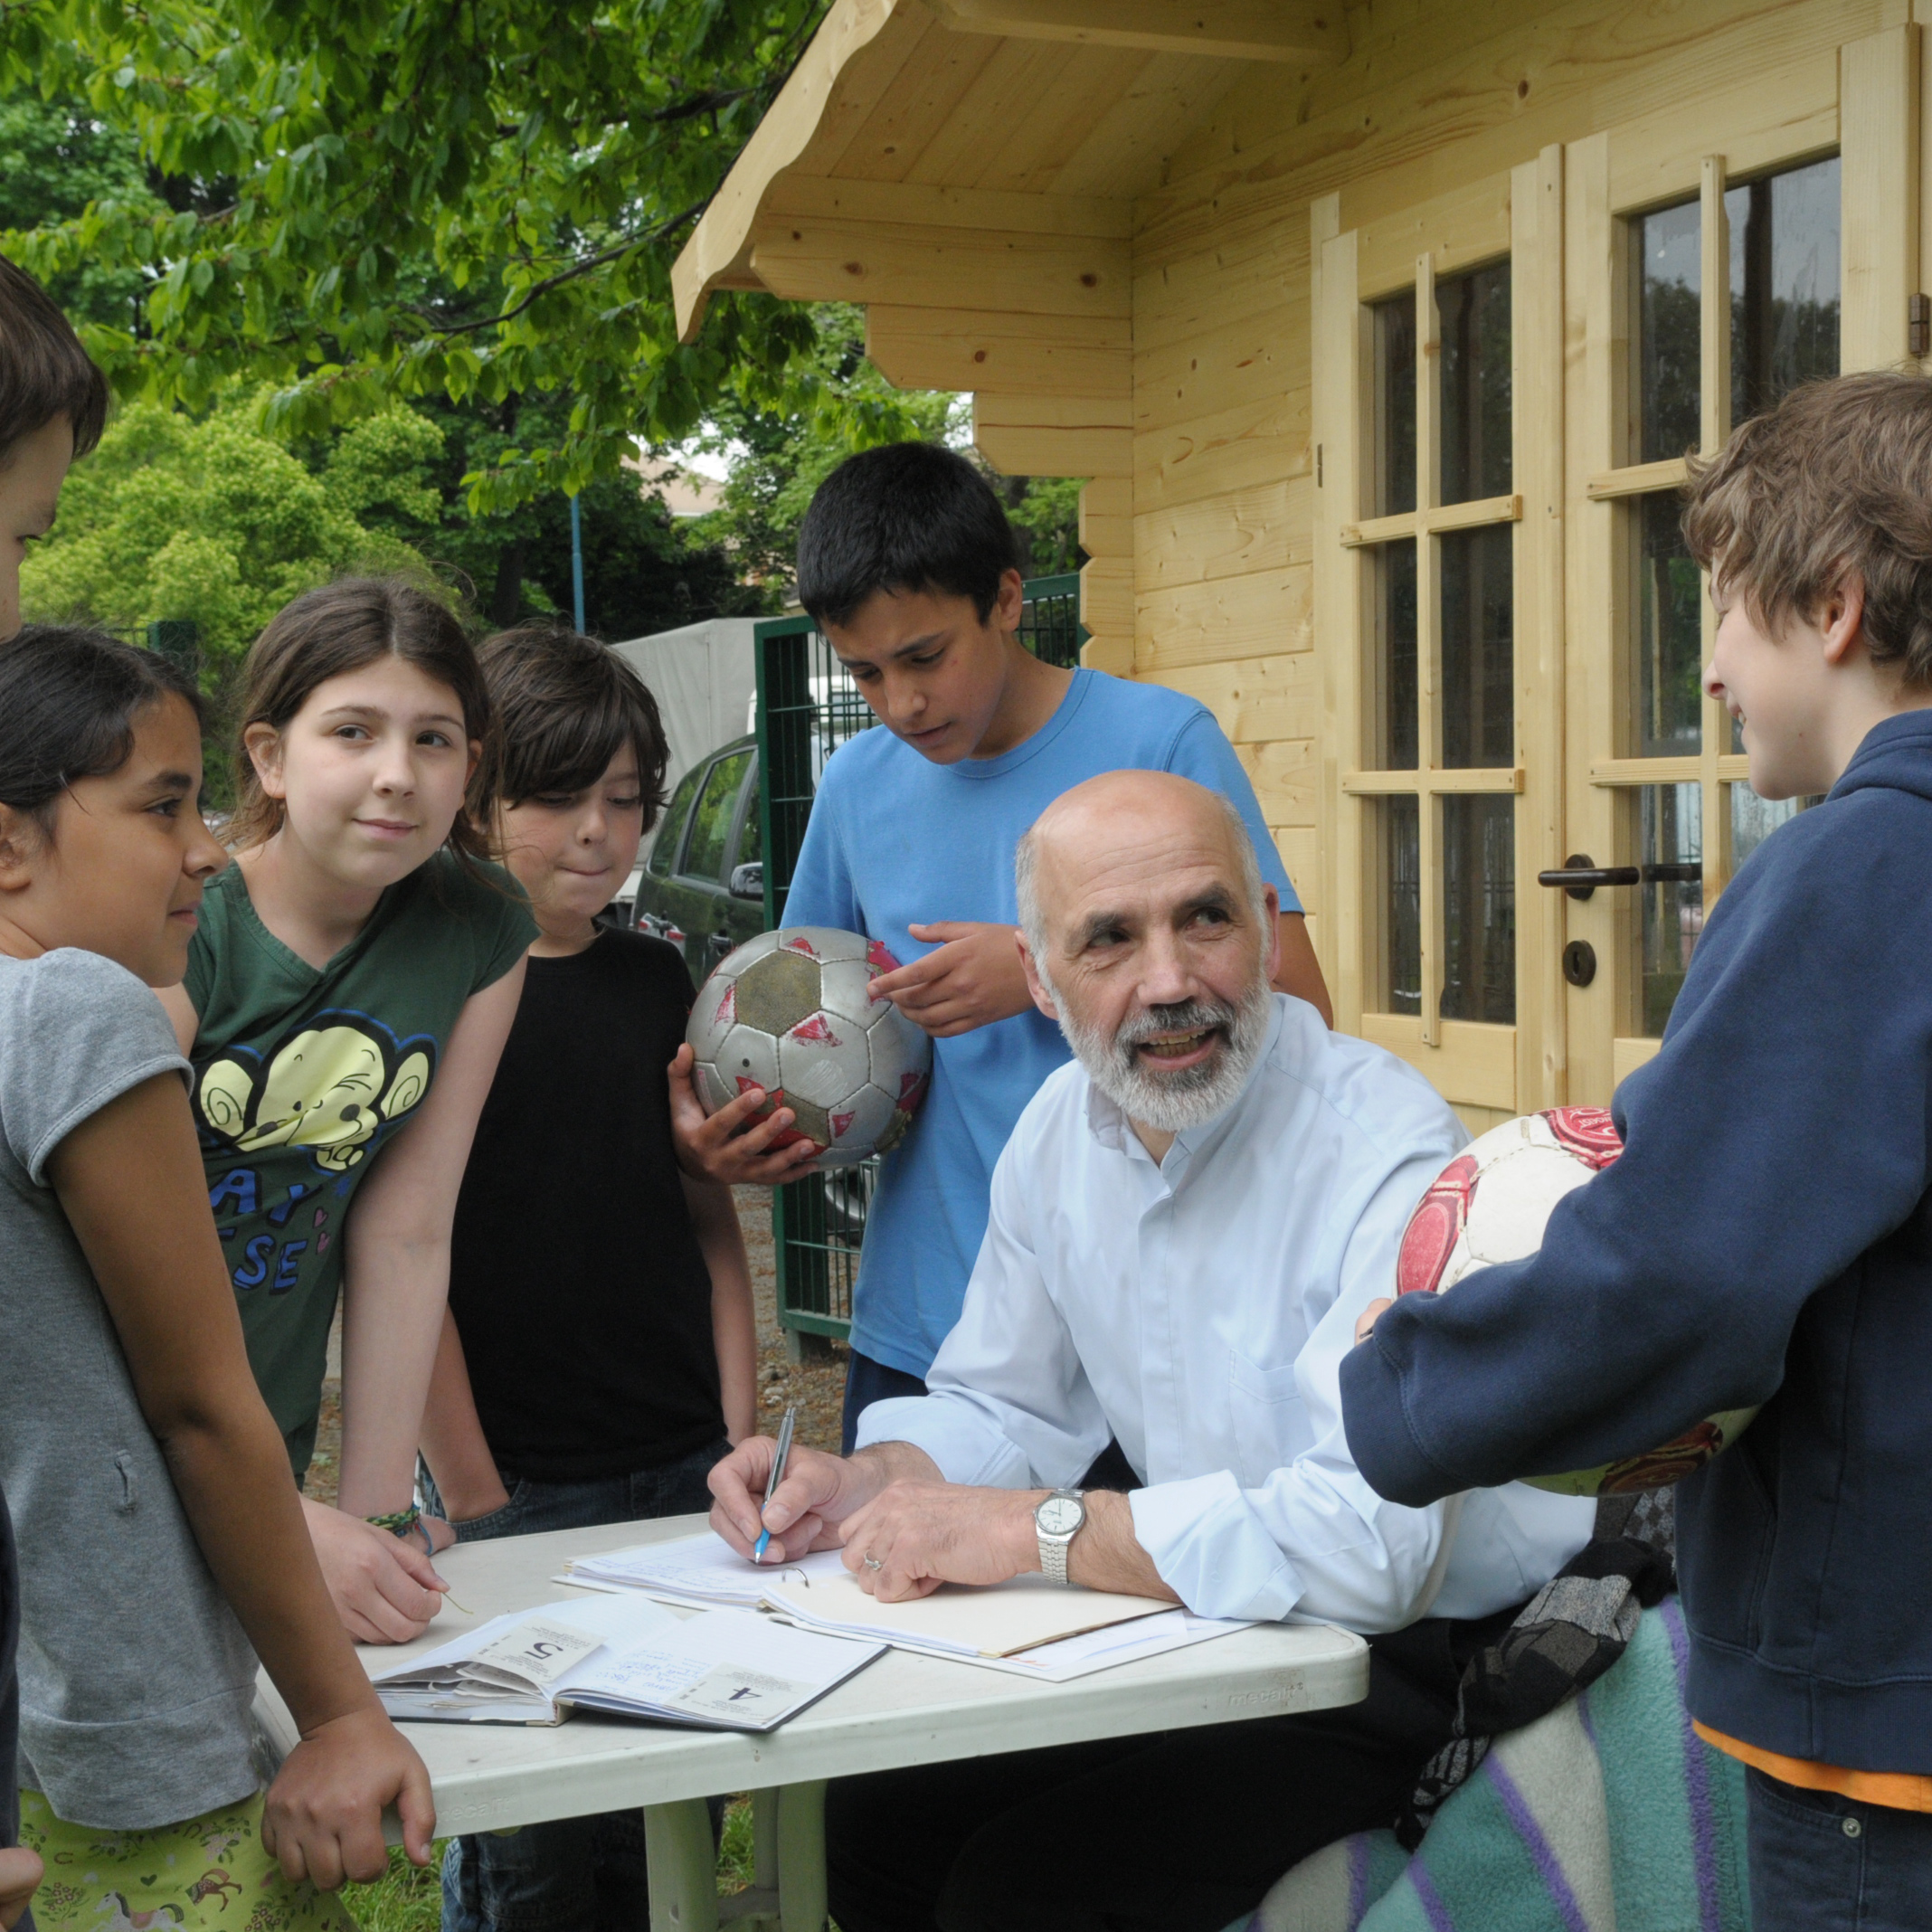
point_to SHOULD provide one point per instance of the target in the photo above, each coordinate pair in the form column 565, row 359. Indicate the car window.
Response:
column 751, row 834
column 704, row 856
column 671, row 828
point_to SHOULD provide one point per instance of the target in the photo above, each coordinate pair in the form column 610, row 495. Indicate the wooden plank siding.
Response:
column 1431, row 112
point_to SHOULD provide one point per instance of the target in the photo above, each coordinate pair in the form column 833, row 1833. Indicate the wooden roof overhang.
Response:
column 966, row 169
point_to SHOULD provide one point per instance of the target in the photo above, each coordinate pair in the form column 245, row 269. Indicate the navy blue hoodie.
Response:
column 1767, row 1238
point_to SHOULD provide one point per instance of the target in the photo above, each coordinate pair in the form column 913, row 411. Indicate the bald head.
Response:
column 1148, row 935
column 1128, row 823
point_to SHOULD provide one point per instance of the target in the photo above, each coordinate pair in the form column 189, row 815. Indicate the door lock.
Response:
column 1579, row 963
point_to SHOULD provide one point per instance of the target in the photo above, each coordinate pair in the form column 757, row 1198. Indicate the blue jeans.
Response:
column 1824, row 1863
column 570, row 1874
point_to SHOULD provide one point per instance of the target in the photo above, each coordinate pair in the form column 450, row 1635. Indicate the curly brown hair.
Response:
column 340, row 627
column 1834, row 482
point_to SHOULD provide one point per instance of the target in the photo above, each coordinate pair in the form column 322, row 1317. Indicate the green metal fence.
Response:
column 808, row 707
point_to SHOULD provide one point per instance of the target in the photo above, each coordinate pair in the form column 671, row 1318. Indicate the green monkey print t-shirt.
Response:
column 302, row 1074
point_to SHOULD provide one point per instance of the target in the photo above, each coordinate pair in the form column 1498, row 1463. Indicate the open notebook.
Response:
column 727, row 1669
column 1028, row 1626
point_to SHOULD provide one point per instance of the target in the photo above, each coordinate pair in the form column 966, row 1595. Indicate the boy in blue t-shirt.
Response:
column 908, row 562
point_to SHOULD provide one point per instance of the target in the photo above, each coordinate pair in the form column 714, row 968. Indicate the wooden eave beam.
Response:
column 930, row 265
column 860, row 47
column 1302, row 30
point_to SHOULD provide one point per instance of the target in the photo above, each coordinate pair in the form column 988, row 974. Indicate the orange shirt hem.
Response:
column 1899, row 1790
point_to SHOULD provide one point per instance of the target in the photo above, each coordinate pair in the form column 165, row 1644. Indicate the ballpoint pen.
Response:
column 776, row 1477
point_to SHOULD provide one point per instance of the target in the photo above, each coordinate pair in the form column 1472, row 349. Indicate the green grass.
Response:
column 405, row 1899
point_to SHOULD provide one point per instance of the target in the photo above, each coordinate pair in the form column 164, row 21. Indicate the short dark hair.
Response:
column 70, row 699
column 565, row 706
column 44, row 372
column 905, row 517
column 339, row 627
column 1835, row 481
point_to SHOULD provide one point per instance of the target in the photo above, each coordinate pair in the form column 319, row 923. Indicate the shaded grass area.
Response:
column 405, row 1899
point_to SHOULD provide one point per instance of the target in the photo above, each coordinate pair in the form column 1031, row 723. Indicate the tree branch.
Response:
column 574, row 273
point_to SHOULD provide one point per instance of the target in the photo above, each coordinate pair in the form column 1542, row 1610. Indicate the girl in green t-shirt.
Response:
column 356, row 971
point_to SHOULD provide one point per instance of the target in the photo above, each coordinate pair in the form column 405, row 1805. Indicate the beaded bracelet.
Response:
column 400, row 1522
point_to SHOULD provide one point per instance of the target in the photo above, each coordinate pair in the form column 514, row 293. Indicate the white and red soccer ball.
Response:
column 1490, row 1203
column 790, row 1012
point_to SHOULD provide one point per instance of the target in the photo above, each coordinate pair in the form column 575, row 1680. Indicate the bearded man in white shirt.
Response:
column 1185, row 1228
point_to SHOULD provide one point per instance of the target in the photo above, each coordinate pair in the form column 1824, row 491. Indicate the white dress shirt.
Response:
column 1198, row 1310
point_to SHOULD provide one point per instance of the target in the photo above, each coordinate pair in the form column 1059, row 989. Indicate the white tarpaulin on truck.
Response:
column 703, row 678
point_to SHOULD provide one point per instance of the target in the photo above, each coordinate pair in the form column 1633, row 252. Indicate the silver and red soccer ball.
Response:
column 790, row 1012
column 1490, row 1203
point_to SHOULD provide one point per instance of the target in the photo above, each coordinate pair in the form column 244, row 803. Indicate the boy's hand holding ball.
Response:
column 721, row 1147
column 974, row 977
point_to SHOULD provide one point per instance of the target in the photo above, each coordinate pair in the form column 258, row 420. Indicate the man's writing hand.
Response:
column 973, row 978
column 1366, row 1322
column 920, row 1535
column 817, row 1493
column 729, row 1146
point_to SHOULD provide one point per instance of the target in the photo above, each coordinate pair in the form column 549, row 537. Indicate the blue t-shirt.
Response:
column 896, row 840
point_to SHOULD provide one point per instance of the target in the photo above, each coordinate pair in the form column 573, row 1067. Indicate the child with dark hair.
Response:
column 54, row 404
column 346, row 997
column 1766, row 1235
column 159, row 1537
column 906, row 559
column 598, row 1357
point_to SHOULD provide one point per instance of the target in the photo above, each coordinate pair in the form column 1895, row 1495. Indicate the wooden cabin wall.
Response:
column 1431, row 97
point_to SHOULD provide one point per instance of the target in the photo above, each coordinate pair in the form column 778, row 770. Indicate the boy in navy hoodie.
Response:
column 1766, row 1237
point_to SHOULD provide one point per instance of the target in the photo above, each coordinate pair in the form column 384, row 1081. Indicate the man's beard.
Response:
column 1190, row 1096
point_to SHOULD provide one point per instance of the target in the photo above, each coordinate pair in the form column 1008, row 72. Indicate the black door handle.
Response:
column 1579, row 876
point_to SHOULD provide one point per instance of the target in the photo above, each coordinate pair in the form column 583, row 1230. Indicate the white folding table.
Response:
column 901, row 1709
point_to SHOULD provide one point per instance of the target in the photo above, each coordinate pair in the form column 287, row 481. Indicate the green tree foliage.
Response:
column 644, row 571
column 216, row 522
column 374, row 202
column 57, row 157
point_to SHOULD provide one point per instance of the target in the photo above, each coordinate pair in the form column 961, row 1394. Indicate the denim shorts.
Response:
column 571, row 1874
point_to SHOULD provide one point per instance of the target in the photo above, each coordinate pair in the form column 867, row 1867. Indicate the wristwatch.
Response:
column 1056, row 1521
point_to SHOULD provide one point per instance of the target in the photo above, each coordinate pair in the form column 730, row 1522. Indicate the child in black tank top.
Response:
column 598, row 1354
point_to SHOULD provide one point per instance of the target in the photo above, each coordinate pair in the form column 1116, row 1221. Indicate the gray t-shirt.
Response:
column 135, row 1677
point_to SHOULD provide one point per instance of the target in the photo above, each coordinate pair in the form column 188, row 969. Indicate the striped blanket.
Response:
column 1609, row 1815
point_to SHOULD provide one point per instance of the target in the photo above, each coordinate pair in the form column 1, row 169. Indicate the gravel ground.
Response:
column 817, row 1387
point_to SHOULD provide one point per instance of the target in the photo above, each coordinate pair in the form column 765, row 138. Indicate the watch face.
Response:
column 1060, row 1515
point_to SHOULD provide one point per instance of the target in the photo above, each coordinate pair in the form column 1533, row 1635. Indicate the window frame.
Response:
column 1486, row 1068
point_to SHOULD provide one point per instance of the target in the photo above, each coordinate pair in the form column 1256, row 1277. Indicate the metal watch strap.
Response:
column 1054, row 1549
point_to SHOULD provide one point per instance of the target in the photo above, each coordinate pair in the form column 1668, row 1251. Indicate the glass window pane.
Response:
column 1479, row 908
column 1669, row 276
column 1395, row 629
column 1473, row 312
column 1401, row 906
column 751, row 833
column 1754, row 820
column 711, row 822
column 671, row 827
column 1668, row 719
column 1783, row 283
column 1478, row 727
column 1670, row 850
column 1395, row 404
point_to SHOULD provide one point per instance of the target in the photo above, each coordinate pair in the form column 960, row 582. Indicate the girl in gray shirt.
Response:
column 158, row 1529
